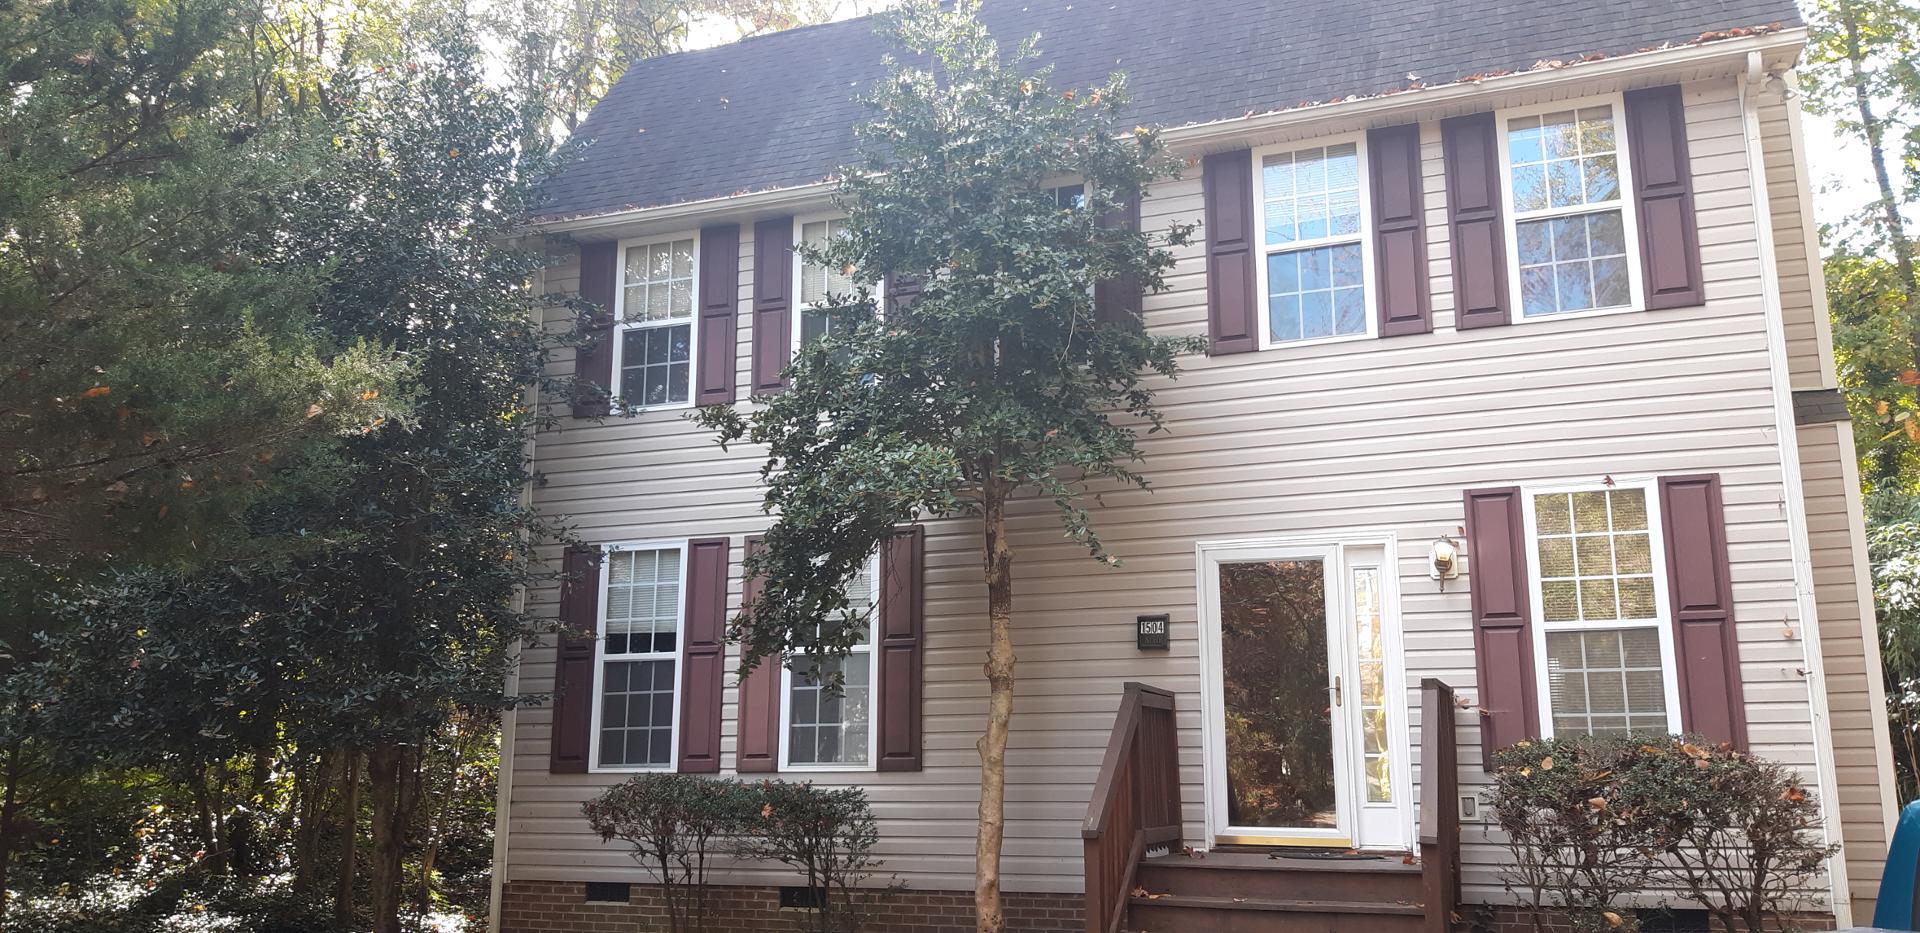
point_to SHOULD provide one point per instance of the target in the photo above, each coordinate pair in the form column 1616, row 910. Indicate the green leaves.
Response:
column 1001, row 374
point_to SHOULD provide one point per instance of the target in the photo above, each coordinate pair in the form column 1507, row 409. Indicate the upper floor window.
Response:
column 639, row 657
column 653, row 362
column 1069, row 197
column 828, row 729
column 1600, row 610
column 817, row 281
column 1569, row 219
column 1315, row 253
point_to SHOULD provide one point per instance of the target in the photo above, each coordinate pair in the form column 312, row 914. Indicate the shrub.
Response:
column 1744, row 836
column 672, row 822
column 1591, row 819
column 1578, row 837
column 827, row 835
column 677, row 824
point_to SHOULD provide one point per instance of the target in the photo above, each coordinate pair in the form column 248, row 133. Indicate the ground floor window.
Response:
column 639, row 657
column 1600, row 611
column 827, row 728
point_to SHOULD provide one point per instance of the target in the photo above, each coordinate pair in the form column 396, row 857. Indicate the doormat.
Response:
column 1330, row 855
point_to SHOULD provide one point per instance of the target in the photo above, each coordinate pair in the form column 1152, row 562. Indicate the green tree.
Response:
column 1863, row 69
column 563, row 57
column 160, row 371
column 1872, row 351
column 391, row 623
column 155, row 358
column 1000, row 381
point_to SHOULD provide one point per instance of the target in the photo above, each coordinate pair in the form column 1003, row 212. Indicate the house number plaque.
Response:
column 1150, row 632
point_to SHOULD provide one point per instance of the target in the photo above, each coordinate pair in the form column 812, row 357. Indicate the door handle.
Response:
column 1338, row 695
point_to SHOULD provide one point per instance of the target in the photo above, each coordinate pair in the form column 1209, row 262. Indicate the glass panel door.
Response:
column 1283, row 750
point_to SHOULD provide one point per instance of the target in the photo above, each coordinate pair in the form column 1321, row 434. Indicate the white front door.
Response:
column 1305, row 694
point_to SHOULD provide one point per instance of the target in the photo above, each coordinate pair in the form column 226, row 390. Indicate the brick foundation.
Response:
column 562, row 907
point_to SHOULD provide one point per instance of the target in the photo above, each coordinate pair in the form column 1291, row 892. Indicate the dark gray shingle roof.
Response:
column 777, row 110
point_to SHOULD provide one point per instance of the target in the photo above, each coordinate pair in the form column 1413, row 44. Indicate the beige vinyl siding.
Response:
column 1381, row 434
column 1803, row 298
column 1855, row 697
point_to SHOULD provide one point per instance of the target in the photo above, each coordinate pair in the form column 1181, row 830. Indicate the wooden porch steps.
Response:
column 1249, row 892
column 1135, row 809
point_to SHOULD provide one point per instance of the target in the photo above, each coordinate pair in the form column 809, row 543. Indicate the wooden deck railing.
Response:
column 1439, row 806
column 1136, row 802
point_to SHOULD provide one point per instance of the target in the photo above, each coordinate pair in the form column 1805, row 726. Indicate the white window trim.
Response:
column 800, row 308
column 873, row 688
column 1262, row 250
column 621, row 325
column 1662, row 622
column 1629, row 210
column 600, row 657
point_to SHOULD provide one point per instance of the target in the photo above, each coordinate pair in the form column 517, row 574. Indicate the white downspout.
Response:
column 503, row 780
column 1752, row 82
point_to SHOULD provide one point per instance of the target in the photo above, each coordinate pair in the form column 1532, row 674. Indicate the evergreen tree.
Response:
column 394, row 617
column 154, row 358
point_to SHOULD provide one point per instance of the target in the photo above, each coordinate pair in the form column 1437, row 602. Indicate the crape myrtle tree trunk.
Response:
column 998, row 381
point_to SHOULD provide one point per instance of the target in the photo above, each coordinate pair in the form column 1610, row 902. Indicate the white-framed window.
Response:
column 1572, row 238
column 653, row 357
column 1071, row 197
column 642, row 589
column 1600, row 610
column 824, row 731
column 816, row 281
column 1316, row 254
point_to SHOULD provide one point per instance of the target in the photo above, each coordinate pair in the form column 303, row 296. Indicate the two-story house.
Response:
column 1518, row 419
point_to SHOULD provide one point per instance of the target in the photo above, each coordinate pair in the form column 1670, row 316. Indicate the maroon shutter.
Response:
column 1399, row 230
column 719, row 309
column 703, row 655
column 772, row 304
column 757, row 742
column 902, row 291
column 573, row 662
column 1473, row 220
column 1118, row 300
column 898, row 637
column 1700, row 588
column 1232, row 309
column 1663, row 197
column 1502, row 617
column 593, row 358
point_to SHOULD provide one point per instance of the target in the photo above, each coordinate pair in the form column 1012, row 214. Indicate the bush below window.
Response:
column 1590, row 820
column 677, row 825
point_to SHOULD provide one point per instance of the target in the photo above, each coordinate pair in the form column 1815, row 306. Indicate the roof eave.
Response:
column 1624, row 68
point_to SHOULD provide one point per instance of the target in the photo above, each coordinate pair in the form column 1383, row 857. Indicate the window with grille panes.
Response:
column 827, row 728
column 1313, row 210
column 639, row 658
column 654, row 364
column 817, row 281
column 1600, row 619
column 1571, row 221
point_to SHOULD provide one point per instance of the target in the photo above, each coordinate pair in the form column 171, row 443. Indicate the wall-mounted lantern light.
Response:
column 1444, row 560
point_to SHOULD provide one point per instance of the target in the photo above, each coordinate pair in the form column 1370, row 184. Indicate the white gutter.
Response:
column 1727, row 53
column 1752, row 81
column 776, row 200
